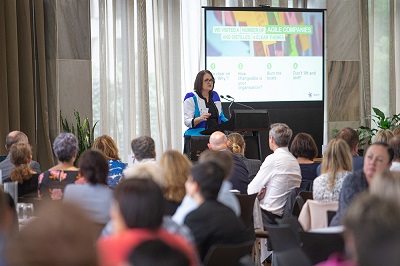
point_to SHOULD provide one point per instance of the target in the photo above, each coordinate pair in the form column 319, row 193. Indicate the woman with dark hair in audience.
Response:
column 107, row 145
column 53, row 181
column 336, row 166
column 137, row 213
column 237, row 145
column 176, row 169
column 21, row 157
column 94, row 197
column 303, row 147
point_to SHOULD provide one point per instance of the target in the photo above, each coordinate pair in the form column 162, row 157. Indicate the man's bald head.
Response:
column 218, row 141
column 15, row 137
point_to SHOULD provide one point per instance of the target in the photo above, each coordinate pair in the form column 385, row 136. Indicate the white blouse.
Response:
column 321, row 190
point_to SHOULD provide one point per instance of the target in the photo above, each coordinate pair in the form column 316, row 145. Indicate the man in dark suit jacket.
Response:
column 212, row 222
column 240, row 175
column 6, row 165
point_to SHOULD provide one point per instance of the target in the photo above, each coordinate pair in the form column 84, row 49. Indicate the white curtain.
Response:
column 136, row 65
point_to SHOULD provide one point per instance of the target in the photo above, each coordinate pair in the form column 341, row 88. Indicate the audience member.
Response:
column 336, row 166
column 144, row 149
column 278, row 175
column 383, row 135
column 303, row 147
column 152, row 171
column 60, row 235
column 176, row 169
column 6, row 165
column 386, row 185
column 21, row 157
column 107, row 145
column 224, row 160
column 237, row 145
column 351, row 137
column 395, row 145
column 377, row 158
column 212, row 222
column 157, row 252
column 94, row 197
column 53, row 181
column 137, row 213
column 240, row 175
column 6, row 224
column 372, row 227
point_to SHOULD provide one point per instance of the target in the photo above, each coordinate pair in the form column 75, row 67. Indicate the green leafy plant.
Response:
column 381, row 121
column 82, row 130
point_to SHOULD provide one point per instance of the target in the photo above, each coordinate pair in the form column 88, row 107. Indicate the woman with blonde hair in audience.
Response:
column 176, row 169
column 107, row 145
column 237, row 145
column 53, row 181
column 21, row 157
column 303, row 147
column 383, row 135
column 336, row 166
column 386, row 185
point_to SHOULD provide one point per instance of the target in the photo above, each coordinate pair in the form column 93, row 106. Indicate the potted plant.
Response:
column 82, row 130
column 381, row 121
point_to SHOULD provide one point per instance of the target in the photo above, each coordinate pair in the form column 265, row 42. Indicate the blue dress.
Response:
column 115, row 173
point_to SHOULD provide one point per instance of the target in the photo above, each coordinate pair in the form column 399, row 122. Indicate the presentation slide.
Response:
column 266, row 56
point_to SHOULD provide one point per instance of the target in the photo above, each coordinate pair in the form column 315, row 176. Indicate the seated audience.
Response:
column 21, row 157
column 53, row 181
column 144, row 255
column 107, row 145
column 60, row 235
column 378, row 157
column 237, row 145
column 396, row 131
column 137, row 213
column 144, row 149
column 383, row 135
column 6, row 165
column 94, row 197
column 175, row 167
column 303, row 147
column 240, row 175
column 395, row 145
column 336, row 166
column 224, row 160
column 212, row 222
column 351, row 137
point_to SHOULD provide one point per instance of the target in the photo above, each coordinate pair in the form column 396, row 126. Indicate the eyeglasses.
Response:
column 209, row 81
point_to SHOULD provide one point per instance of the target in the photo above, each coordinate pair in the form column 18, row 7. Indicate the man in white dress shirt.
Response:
column 278, row 175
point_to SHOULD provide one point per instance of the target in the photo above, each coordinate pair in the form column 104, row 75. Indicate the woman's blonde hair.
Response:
column 386, row 185
column 176, row 169
column 383, row 135
column 107, row 145
column 236, row 143
column 20, row 156
column 337, row 156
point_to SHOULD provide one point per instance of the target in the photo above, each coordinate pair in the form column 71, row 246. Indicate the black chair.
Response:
column 228, row 254
column 318, row 246
column 283, row 237
column 292, row 257
column 330, row 214
column 301, row 198
column 246, row 212
column 292, row 222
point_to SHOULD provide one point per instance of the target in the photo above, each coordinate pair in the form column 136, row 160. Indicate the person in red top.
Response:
column 136, row 213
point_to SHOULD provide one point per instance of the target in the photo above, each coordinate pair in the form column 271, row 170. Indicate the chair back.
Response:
column 227, row 254
column 314, row 214
column 301, row 199
column 283, row 237
column 292, row 222
column 246, row 203
column 292, row 257
column 319, row 246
